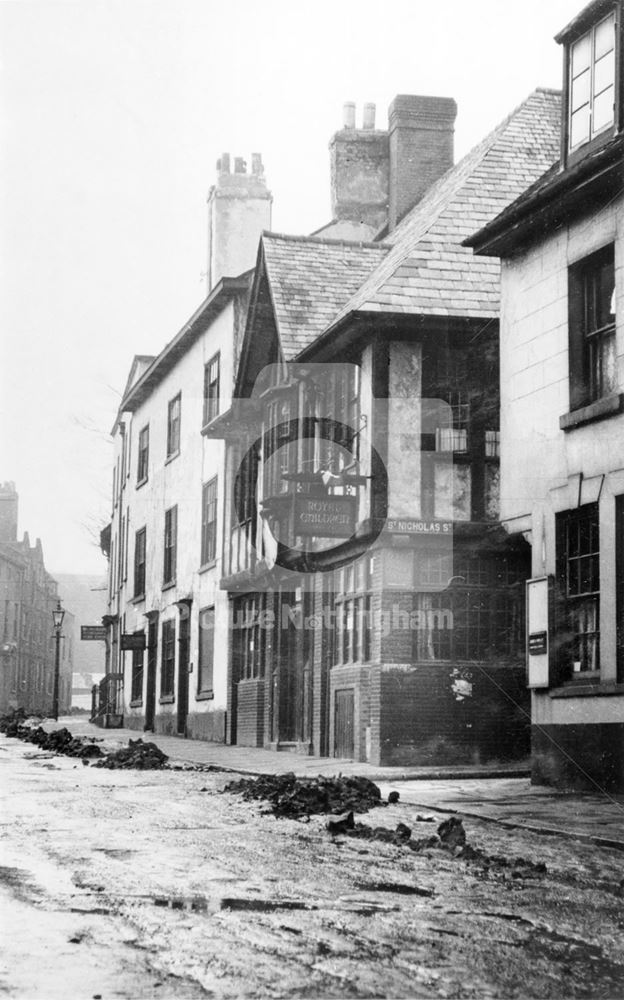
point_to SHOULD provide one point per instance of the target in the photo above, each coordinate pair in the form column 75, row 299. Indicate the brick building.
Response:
column 562, row 435
column 28, row 594
column 398, row 636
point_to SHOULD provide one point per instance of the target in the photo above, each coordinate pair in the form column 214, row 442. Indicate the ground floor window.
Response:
column 205, row 670
column 249, row 623
column 478, row 616
column 167, row 675
column 136, row 686
column 353, row 612
column 578, row 586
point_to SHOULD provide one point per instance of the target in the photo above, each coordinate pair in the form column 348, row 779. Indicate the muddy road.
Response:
column 156, row 884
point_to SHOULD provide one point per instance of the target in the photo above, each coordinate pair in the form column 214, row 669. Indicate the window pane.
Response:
column 580, row 91
column 603, row 109
column 605, row 37
column 604, row 73
column 579, row 126
column 581, row 51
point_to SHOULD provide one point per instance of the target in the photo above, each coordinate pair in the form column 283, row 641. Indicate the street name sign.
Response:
column 95, row 633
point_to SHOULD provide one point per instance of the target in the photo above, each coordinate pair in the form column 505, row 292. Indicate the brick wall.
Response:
column 424, row 719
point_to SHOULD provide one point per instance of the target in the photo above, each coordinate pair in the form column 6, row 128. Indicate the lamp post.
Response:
column 57, row 619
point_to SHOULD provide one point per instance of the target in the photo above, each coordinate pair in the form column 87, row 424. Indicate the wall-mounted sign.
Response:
column 538, row 643
column 132, row 640
column 94, row 633
column 325, row 517
column 414, row 526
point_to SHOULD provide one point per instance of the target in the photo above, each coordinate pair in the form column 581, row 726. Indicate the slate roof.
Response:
column 428, row 271
column 311, row 279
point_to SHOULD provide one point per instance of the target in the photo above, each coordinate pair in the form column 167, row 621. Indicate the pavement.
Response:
column 502, row 795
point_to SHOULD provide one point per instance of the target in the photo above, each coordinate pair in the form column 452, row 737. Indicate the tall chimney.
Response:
column 359, row 171
column 8, row 512
column 239, row 209
column 421, row 148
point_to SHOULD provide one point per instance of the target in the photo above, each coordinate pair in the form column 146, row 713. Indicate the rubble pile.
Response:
column 294, row 797
column 58, row 741
column 450, row 837
column 137, row 755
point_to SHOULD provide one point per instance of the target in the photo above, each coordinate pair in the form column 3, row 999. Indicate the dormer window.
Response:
column 591, row 82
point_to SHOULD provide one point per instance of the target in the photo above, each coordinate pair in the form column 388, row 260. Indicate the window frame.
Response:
column 137, row 673
column 167, row 665
column 581, row 338
column 212, row 388
column 204, row 689
column 210, row 500
column 578, row 601
column 174, row 423
column 594, row 136
column 170, row 546
column 143, row 456
column 139, row 575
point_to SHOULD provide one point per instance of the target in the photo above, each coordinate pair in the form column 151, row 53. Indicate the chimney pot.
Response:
column 240, row 167
column 348, row 114
column 223, row 165
column 368, row 117
column 256, row 163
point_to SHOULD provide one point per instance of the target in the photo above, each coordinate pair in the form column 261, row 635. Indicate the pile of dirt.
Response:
column 450, row 837
column 58, row 741
column 137, row 755
column 292, row 797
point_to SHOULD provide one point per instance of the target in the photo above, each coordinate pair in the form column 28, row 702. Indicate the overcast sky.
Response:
column 113, row 115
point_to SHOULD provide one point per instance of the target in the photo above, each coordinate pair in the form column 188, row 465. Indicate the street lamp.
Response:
column 57, row 620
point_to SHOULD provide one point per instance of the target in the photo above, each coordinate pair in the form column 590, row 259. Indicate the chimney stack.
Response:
column 8, row 512
column 421, row 148
column 239, row 209
column 359, row 172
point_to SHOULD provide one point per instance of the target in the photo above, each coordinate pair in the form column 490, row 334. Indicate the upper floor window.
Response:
column 212, row 376
column 591, row 69
column 143, row 457
column 209, row 522
column 591, row 319
column 173, row 426
column 140, row 549
column 171, row 544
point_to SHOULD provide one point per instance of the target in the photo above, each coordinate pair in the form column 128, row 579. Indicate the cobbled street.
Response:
column 137, row 884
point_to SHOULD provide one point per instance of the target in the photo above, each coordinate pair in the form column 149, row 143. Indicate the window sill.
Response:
column 140, row 483
column 206, row 566
column 204, row 696
column 600, row 410
column 172, row 456
column 138, row 599
column 168, row 586
column 166, row 699
column 137, row 703
column 576, row 690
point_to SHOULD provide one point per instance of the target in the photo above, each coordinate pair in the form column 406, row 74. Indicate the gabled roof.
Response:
column 151, row 374
column 428, row 271
column 310, row 279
